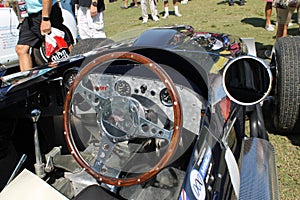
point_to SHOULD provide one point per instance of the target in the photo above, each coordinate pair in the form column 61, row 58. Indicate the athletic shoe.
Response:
column 155, row 18
column 145, row 21
column 166, row 15
column 178, row 14
column 270, row 27
column 184, row 2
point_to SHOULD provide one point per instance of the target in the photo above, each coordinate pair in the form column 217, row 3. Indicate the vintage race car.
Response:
column 170, row 113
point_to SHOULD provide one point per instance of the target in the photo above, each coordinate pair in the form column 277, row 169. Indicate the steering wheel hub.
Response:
column 119, row 118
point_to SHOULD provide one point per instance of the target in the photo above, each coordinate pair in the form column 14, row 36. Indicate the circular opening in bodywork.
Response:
column 247, row 80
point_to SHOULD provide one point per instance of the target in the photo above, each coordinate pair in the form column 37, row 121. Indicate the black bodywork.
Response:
column 222, row 128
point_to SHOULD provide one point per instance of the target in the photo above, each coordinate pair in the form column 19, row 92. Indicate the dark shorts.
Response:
column 30, row 33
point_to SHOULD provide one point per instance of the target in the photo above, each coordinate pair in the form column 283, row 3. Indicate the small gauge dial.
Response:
column 165, row 97
column 69, row 78
column 123, row 88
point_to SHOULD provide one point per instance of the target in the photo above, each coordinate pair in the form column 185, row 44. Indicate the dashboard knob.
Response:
column 143, row 88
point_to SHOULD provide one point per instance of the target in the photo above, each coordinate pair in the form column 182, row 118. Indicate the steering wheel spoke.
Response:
column 105, row 150
column 92, row 98
column 150, row 129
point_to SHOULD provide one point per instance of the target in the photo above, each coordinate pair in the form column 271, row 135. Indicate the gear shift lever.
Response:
column 39, row 165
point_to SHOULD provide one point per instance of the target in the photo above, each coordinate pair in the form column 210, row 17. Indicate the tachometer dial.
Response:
column 123, row 88
column 165, row 97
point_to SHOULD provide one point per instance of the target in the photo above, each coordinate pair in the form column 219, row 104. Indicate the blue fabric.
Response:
column 35, row 6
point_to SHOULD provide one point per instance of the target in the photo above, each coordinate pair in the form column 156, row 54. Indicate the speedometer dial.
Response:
column 123, row 88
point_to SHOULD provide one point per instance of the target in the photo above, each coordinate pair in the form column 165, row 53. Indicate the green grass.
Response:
column 288, row 165
column 243, row 21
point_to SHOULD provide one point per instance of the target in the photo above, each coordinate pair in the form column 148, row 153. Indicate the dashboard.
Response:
column 152, row 95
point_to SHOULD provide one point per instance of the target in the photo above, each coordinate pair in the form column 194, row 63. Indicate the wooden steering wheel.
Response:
column 98, row 103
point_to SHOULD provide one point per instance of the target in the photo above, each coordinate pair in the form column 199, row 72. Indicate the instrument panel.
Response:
column 152, row 94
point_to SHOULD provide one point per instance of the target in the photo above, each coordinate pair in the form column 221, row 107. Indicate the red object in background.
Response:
column 60, row 43
column 56, row 46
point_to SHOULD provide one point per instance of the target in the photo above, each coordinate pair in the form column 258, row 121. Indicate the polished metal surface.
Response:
column 258, row 170
column 39, row 165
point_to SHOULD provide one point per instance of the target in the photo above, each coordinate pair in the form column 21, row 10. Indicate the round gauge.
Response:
column 123, row 88
column 69, row 78
column 165, row 97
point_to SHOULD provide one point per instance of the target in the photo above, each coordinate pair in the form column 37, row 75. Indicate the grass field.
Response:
column 243, row 21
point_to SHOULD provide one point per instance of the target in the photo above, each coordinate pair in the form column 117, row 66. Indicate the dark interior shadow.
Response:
column 263, row 50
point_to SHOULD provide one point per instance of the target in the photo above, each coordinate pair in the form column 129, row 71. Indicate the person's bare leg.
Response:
column 25, row 61
column 175, row 3
column 268, row 13
column 125, row 3
column 282, row 30
column 166, row 7
column 285, row 30
column 135, row 3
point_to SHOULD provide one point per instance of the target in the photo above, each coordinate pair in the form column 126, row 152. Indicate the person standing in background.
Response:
column 42, row 15
column 153, row 9
column 90, row 18
column 166, row 7
column 268, row 14
column 284, row 16
column 133, row 5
